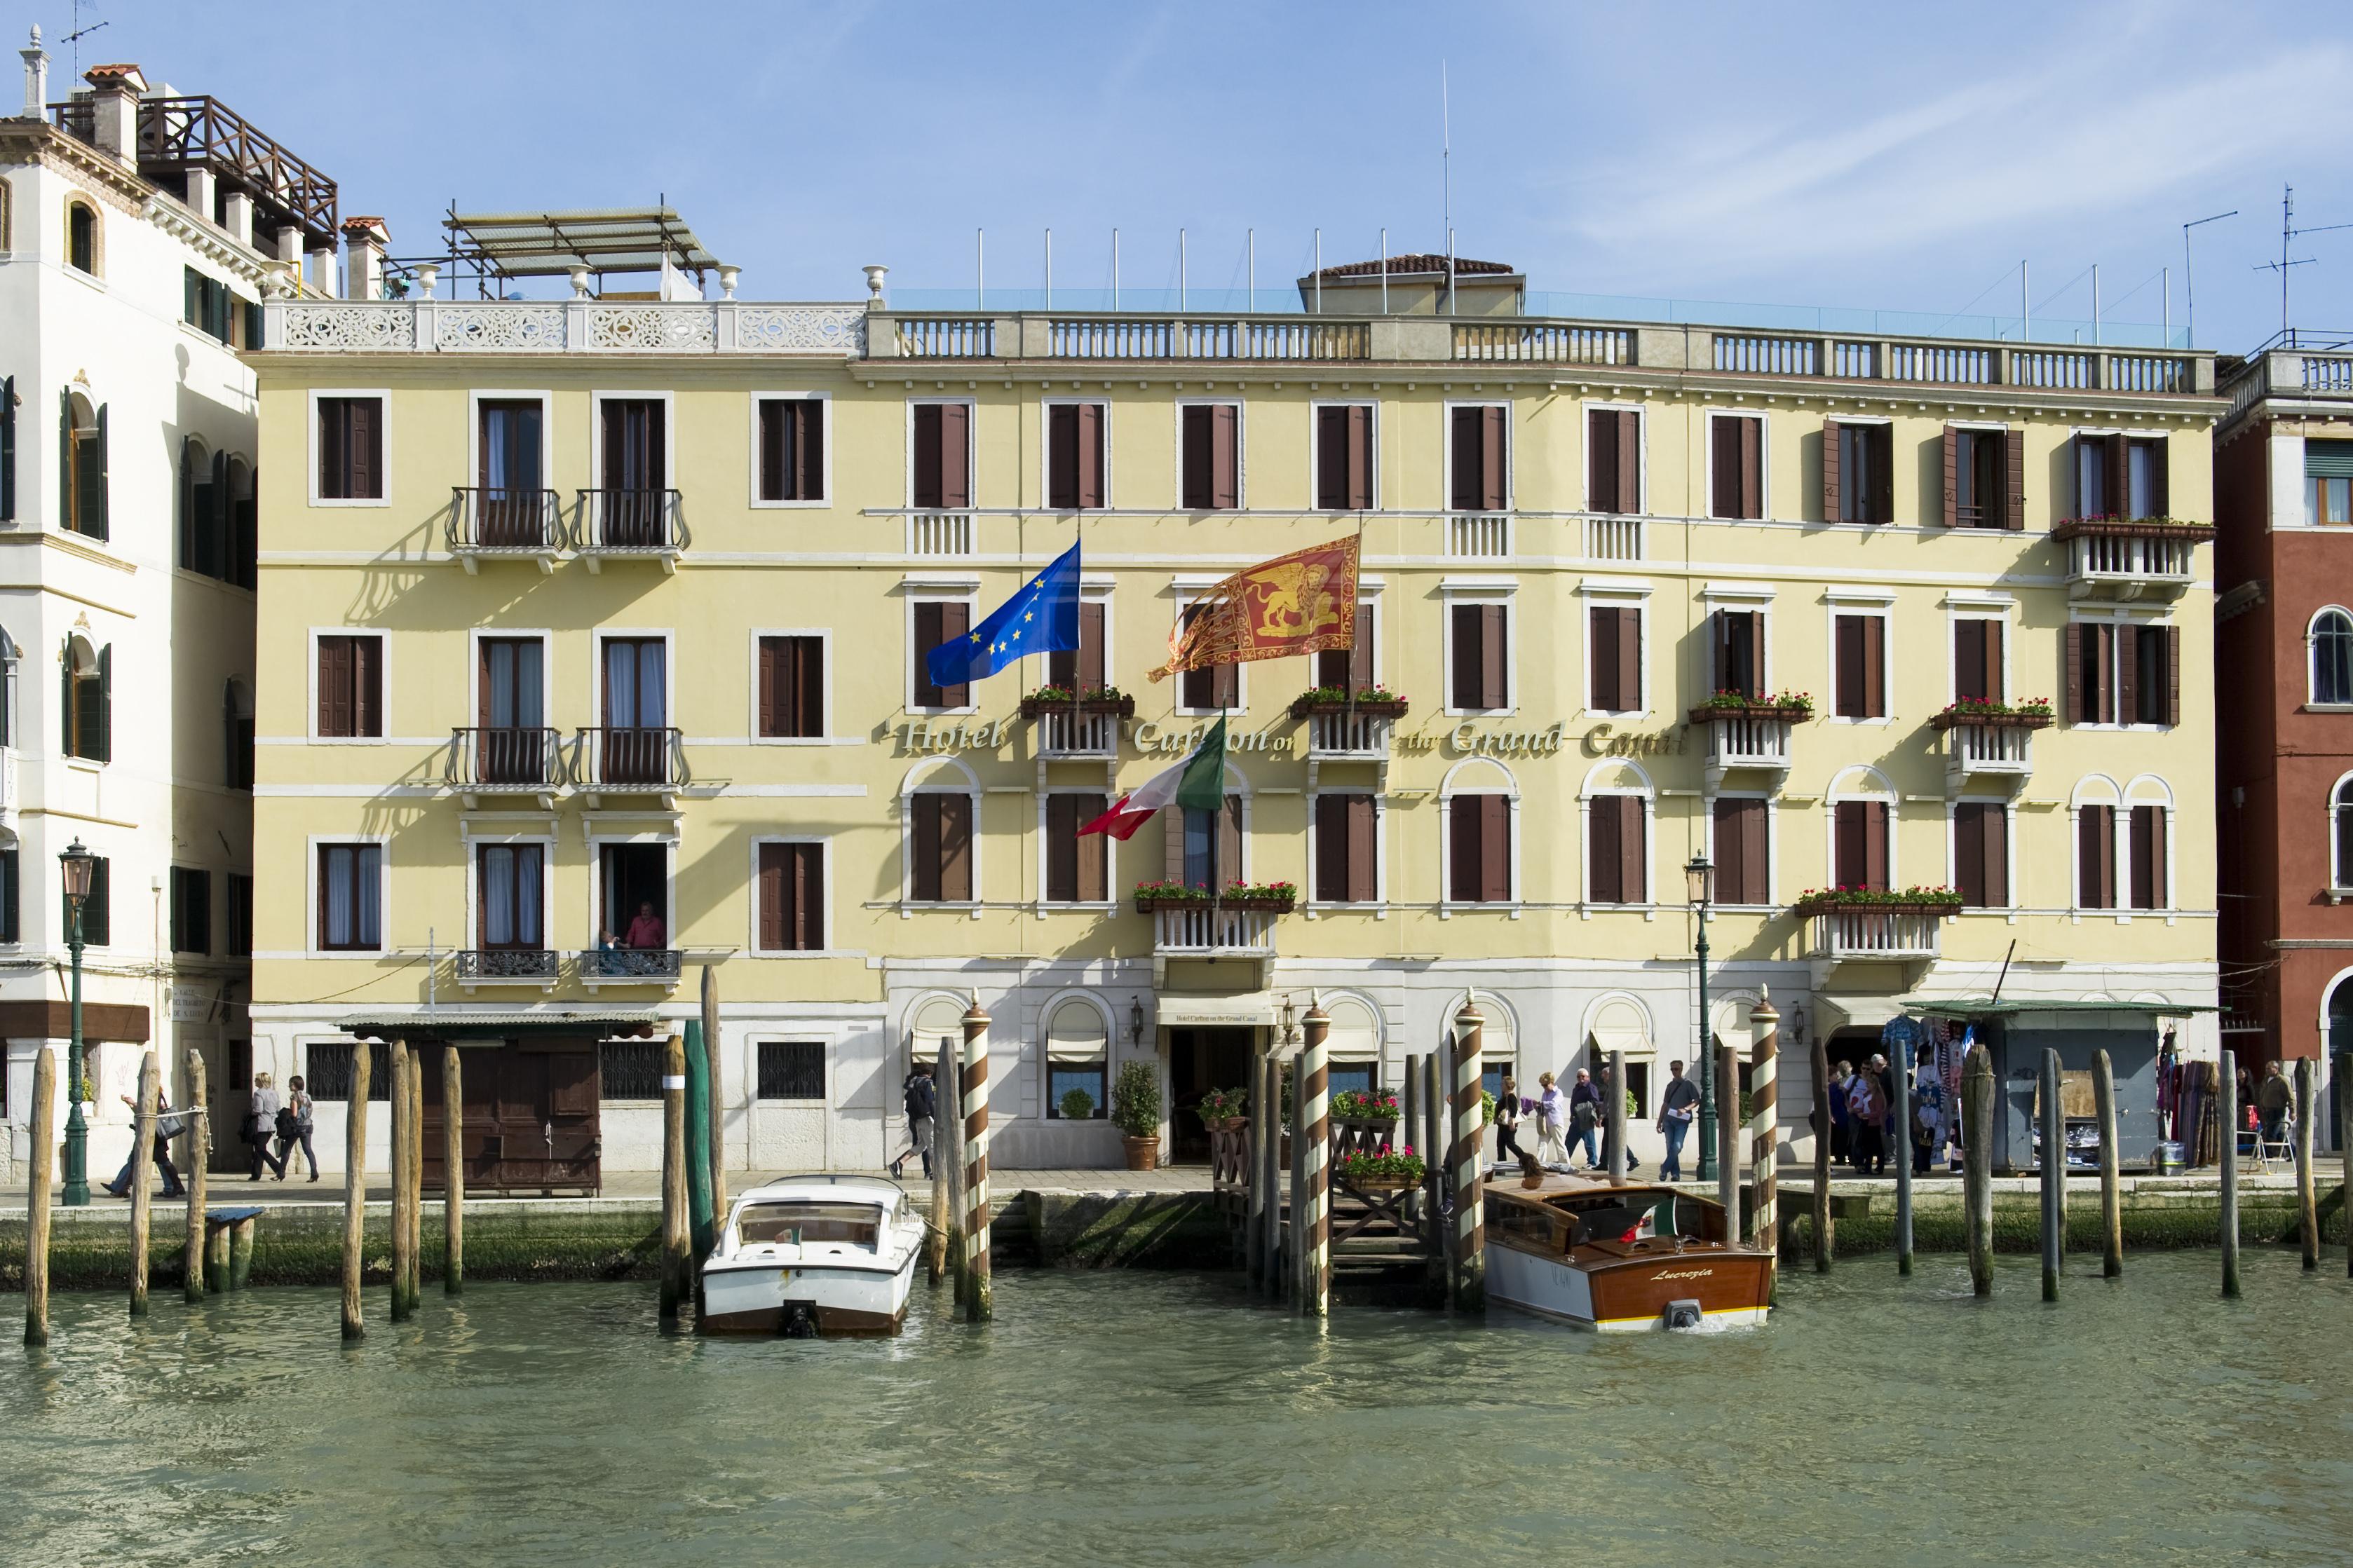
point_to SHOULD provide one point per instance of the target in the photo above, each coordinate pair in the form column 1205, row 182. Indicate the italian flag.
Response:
column 1200, row 782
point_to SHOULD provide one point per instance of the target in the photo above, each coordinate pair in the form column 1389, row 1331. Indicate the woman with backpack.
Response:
column 294, row 1127
column 261, row 1122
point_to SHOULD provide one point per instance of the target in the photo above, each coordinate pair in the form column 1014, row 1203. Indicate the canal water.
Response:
column 1139, row 1419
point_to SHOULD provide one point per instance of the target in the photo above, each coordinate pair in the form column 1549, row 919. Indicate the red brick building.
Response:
column 2284, row 698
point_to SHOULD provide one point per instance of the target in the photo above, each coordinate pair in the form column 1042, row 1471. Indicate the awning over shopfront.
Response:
column 491, row 1027
column 1988, row 1008
column 1257, row 1010
column 1833, row 1013
column 1076, row 1033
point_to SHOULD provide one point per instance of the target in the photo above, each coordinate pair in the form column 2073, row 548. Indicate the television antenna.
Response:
column 78, row 34
column 2288, row 234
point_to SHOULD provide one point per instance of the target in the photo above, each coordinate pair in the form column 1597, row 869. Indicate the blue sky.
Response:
column 1868, row 155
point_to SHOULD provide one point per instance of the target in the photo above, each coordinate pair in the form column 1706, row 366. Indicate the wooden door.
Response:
column 531, row 1119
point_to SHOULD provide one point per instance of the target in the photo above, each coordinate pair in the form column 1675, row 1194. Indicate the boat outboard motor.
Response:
column 799, row 1323
column 1683, row 1314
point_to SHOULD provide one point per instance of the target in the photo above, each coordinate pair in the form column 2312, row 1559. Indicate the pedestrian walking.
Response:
column 1842, row 1128
column 1866, row 1112
column 1584, row 1116
column 1604, row 1088
column 1927, row 1119
column 2272, row 1100
column 166, row 1128
column 1677, row 1106
column 260, row 1125
column 920, row 1097
column 1507, row 1122
column 1552, row 1119
column 294, row 1127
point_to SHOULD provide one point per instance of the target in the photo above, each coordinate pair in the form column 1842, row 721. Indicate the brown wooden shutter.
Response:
column 334, row 687
column 1874, row 667
column 1996, row 690
column 1969, row 661
column 2013, row 493
column 1494, row 458
column 2117, row 462
column 1363, row 854
column 772, row 681
column 1172, row 845
column 955, row 455
column 923, row 848
column 1210, row 449
column 1883, row 482
column 956, row 847
column 1731, row 867
column 367, row 686
column 1629, row 461
column 2173, row 675
column 929, row 625
column 2096, row 844
column 1752, row 467
column 1469, row 656
column 1633, row 848
column 1851, row 843
column 1607, row 682
column 1331, row 459
column 1360, row 456
column 365, row 448
column 1193, row 440
column 1082, row 667
column 774, row 865
column 806, row 474
column 1332, row 846
column 773, row 482
column 1847, row 650
column 2148, row 854
column 1600, row 460
column 1062, row 456
column 805, row 717
column 1604, row 851
column 1493, row 689
column 1968, row 854
column 1953, row 478
column 1225, row 456
column 334, row 451
column 1995, row 820
column 1469, row 486
column 1629, row 660
column 1724, row 456
column 2073, row 658
column 1351, row 668
column 1063, row 848
column 928, row 488
column 1229, row 842
column 1495, row 848
column 2128, row 674
column 1462, row 853
column 2160, row 477
column 1830, row 471
column 1093, row 850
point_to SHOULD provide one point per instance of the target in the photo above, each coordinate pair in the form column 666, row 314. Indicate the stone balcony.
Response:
column 2115, row 558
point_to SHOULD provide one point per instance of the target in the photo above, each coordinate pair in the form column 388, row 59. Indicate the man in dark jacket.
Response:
column 921, row 1100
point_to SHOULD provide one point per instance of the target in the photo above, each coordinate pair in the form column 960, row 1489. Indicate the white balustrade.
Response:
column 939, row 534
column 1884, row 933
column 1479, row 536
column 2130, row 560
column 1748, row 740
column 1615, row 537
column 1546, row 343
column 577, row 326
column 1064, row 733
column 1982, row 749
column 2327, row 372
column 1760, row 355
column 1347, row 737
column 1195, row 929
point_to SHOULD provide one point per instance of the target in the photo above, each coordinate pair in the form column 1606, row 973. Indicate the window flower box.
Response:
column 1386, row 1170
column 1273, row 898
column 2110, row 526
column 1786, row 707
column 1896, row 901
column 1355, row 1105
column 1093, row 700
column 2034, row 714
column 1372, row 702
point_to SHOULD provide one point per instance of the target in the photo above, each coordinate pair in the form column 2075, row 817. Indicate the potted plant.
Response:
column 1086, row 700
column 1385, row 1168
column 1356, row 1105
column 1135, row 1112
column 2110, row 525
column 2034, row 713
column 1914, row 900
column 1276, row 897
column 1078, row 1105
column 1375, row 701
column 1224, row 1109
column 1791, row 707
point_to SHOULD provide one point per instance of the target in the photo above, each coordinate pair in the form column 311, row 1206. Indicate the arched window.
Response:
column 237, row 732
column 7, row 689
column 1479, row 802
column 197, row 499
column 2340, row 1017
column 1077, row 1061
column 81, row 499
column 243, row 543
column 81, row 236
column 2340, row 834
column 88, row 701
column 2332, row 656
column 940, row 805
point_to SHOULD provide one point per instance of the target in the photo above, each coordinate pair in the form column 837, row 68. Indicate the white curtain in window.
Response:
column 515, row 686
column 338, row 898
column 497, row 897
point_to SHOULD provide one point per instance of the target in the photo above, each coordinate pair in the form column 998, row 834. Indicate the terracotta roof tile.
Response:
column 1421, row 262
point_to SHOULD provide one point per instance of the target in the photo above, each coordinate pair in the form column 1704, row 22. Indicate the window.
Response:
column 792, row 1069
column 1858, row 472
column 1858, row 847
column 1346, row 857
column 2332, row 656
column 192, row 910
column 1976, row 661
column 2119, row 476
column 633, row 473
column 1210, row 435
column 939, row 848
column 637, row 737
column 1343, row 457
column 1985, row 477
column 630, row 1069
column 938, row 622
column 350, row 687
column 508, row 883
column 217, row 514
column 96, row 910
column 332, row 1061
column 1616, row 658
column 510, row 441
column 1479, row 849
column 1862, row 673
column 1742, row 852
column 1193, row 836
column 1737, row 460
column 2119, row 673
column 2340, row 822
column 942, row 460
column 88, row 701
column 208, row 306
column 2327, row 482
column 83, row 491
column 351, row 448
column 2146, row 831
column 238, row 936
column 1077, row 1053
column 242, row 563
column 1617, row 854
column 7, row 448
column 1480, row 649
column 2095, row 856
column 1981, row 854
column 1211, row 687
column 1083, row 668
column 1074, row 455
column 1737, row 652
column 1479, row 440
column 81, row 237
column 1613, row 460
column 792, row 898
column 11, row 893
column 634, row 896
column 350, row 897
column 1350, row 669
column 1086, row 1077
column 792, row 448
column 1078, row 869
column 792, row 686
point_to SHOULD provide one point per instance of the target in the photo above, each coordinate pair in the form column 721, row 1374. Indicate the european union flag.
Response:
column 1044, row 617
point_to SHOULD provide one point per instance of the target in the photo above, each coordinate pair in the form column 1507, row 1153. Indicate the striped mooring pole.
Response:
column 1764, row 1125
column 1469, row 1260
column 979, row 1301
column 1316, row 1074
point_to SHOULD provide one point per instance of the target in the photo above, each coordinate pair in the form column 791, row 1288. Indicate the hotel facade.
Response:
column 579, row 612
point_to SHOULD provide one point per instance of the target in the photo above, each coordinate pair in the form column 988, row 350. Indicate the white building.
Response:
column 137, row 229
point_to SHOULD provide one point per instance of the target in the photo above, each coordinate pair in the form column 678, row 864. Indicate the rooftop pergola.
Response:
column 492, row 249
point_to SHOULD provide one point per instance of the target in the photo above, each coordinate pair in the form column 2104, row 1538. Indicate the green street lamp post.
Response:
column 1699, row 879
column 78, row 864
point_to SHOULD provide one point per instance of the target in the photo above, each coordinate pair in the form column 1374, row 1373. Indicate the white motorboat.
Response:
column 813, row 1255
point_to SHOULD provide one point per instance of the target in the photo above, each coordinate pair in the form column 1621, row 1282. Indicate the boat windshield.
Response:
column 794, row 1223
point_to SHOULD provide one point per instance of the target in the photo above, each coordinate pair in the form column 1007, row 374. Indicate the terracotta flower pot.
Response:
column 1143, row 1153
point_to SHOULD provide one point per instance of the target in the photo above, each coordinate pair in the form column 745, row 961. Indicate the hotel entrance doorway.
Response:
column 1199, row 1061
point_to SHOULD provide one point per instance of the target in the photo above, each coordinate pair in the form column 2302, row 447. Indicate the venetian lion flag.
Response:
column 1200, row 782
column 1304, row 602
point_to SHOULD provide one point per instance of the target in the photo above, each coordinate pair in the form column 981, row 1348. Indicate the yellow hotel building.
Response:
column 591, row 653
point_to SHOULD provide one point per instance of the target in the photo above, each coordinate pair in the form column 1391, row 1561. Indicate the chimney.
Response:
column 363, row 242
column 114, row 106
column 37, row 76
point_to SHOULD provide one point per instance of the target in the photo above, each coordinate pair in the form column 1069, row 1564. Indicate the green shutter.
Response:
column 64, row 698
column 105, row 751
column 192, row 297
column 65, row 458
column 99, row 531
column 2328, row 459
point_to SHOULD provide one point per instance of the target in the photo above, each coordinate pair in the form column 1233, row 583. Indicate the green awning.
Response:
column 1987, row 1008
column 536, row 1023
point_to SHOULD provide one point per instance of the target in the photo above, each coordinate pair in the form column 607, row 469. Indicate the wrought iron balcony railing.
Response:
column 487, row 522
column 507, row 965
column 630, row 966
column 623, row 523
column 631, row 758
column 496, row 757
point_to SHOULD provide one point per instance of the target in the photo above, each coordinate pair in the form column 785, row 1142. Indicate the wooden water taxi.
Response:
column 813, row 1255
column 1620, row 1259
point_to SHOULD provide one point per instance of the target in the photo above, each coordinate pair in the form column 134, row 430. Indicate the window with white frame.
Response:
column 2332, row 656
column 1078, row 1062
column 2340, row 834
column 1478, row 662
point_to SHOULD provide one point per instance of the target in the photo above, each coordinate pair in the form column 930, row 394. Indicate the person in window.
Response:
column 1677, row 1106
column 646, row 931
